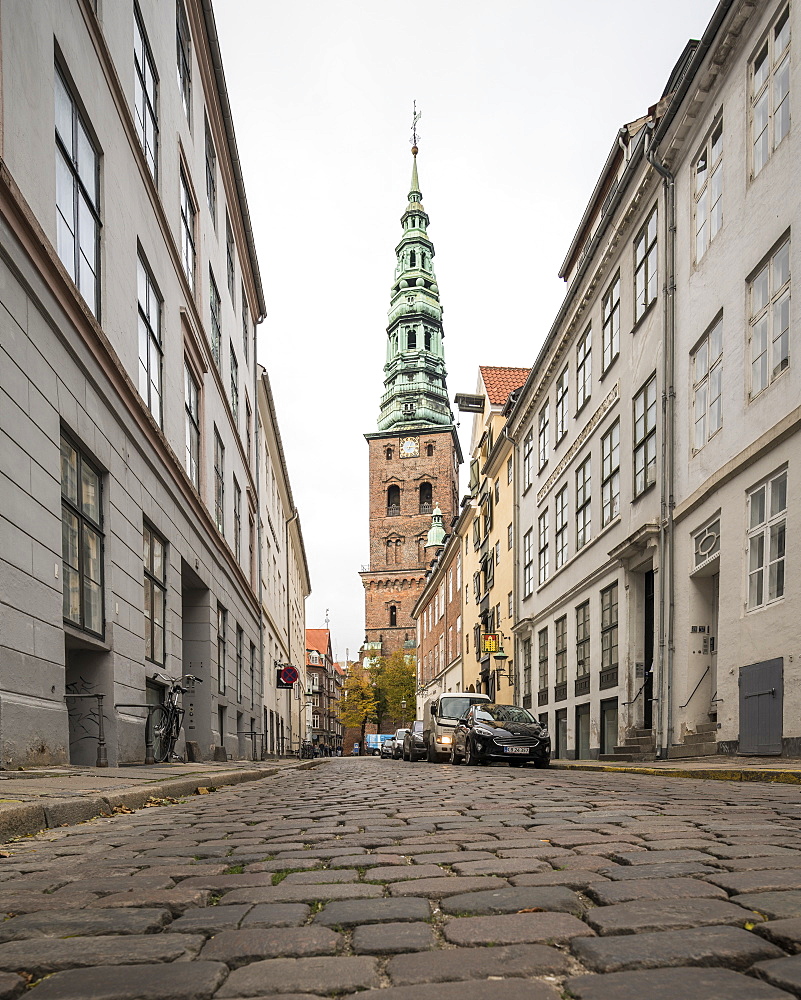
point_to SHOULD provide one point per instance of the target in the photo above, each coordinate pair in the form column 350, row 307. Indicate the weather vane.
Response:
column 415, row 136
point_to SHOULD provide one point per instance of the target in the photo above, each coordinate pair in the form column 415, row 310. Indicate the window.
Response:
column 561, row 405
column 184, row 59
column 770, row 320
column 219, row 483
column 216, row 320
column 510, row 605
column 561, row 527
column 77, row 197
column 543, row 434
column 497, row 553
column 609, row 628
column 81, row 539
column 248, row 424
column 245, row 328
column 706, row 542
column 252, row 674
column 393, row 501
column 767, row 511
column 155, row 594
column 211, row 176
column 709, row 191
column 251, row 547
column 707, row 379
column 222, row 618
column 150, row 359
column 526, row 666
column 645, row 437
column 237, row 521
column 497, row 490
column 610, row 331
column 528, row 452
column 583, row 639
column 770, row 93
column 583, row 504
column 230, row 253
column 542, row 535
column 610, row 474
column 234, row 384
column 560, row 649
column 145, row 90
column 645, row 266
column 393, row 616
column 192, row 422
column 542, row 658
column 188, row 213
column 528, row 562
column 509, row 536
column 239, row 641
column 509, row 468
column 425, row 498
column 584, row 368
column 429, row 451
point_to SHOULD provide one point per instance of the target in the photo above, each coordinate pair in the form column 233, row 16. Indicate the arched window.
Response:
column 429, row 450
column 393, row 616
column 425, row 498
column 393, row 501
column 428, row 340
column 411, row 340
column 388, row 454
column 412, row 259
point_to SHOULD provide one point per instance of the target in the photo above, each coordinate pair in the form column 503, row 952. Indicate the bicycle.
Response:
column 166, row 720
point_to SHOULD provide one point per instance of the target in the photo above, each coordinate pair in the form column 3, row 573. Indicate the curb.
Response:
column 20, row 819
column 703, row 773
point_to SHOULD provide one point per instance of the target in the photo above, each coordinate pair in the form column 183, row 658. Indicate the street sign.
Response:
column 491, row 642
column 289, row 674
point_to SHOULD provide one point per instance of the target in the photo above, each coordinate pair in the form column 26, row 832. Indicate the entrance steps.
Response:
column 639, row 746
column 701, row 743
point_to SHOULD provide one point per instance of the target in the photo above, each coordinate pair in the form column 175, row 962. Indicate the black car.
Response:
column 489, row 733
column 414, row 747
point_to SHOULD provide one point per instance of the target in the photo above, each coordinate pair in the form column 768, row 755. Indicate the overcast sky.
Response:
column 521, row 101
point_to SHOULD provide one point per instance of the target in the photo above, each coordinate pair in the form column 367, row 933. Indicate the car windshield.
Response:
column 417, row 726
column 503, row 713
column 455, row 708
column 400, row 733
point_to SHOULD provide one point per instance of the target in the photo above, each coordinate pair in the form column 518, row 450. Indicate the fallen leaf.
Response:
column 533, row 909
column 202, row 791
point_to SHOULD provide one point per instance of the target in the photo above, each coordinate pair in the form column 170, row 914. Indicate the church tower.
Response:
column 414, row 454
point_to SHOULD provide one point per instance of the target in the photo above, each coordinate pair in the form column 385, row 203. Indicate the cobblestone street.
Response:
column 419, row 880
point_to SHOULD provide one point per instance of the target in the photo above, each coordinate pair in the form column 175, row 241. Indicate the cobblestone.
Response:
column 692, row 885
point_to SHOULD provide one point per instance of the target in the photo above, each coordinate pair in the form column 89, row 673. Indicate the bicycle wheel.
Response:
column 160, row 731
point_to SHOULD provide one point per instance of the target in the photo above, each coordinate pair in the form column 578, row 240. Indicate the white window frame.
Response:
column 528, row 459
column 766, row 542
column 610, row 327
column 528, row 563
column 562, row 522
column 644, row 452
column 145, row 95
column 646, row 265
column 610, row 474
column 707, row 374
column 708, row 190
column 768, row 78
column 584, row 503
column 543, row 557
column 149, row 337
column 543, row 435
column 562, row 402
column 584, row 368
column 769, row 322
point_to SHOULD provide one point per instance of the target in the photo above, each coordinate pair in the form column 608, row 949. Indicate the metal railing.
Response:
column 101, row 760
column 703, row 675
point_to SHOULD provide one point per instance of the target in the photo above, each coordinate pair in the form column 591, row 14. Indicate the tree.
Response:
column 358, row 703
column 395, row 678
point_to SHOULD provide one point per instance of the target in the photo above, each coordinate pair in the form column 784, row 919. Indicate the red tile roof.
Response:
column 319, row 639
column 499, row 382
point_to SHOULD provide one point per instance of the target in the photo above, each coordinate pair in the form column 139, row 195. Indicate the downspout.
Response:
column 518, row 696
column 666, row 546
column 257, row 463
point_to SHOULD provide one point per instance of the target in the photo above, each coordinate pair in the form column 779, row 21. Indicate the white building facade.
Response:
column 130, row 292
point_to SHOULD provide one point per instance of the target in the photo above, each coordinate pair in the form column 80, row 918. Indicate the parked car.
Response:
column 388, row 747
column 414, row 747
column 397, row 747
column 440, row 716
column 488, row 733
column 373, row 742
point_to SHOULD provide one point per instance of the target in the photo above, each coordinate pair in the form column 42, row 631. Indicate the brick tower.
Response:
column 414, row 454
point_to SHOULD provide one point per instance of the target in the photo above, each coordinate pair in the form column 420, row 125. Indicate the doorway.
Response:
column 609, row 730
column 648, row 651
column 761, row 705
column 561, row 733
column 582, row 732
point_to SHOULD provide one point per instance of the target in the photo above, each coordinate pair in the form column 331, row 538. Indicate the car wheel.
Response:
column 542, row 763
column 454, row 758
column 470, row 754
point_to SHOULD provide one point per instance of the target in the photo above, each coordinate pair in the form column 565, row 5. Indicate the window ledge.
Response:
column 645, row 315
column 640, row 495
column 76, row 638
column 609, row 367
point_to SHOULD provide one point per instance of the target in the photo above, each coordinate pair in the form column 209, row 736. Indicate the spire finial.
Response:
column 415, row 119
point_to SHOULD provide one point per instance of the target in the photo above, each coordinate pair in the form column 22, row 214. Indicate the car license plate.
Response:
column 517, row 749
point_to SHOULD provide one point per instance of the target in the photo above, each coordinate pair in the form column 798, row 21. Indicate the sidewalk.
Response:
column 786, row 770
column 39, row 798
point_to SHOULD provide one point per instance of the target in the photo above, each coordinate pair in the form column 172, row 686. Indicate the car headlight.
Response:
column 444, row 739
column 480, row 731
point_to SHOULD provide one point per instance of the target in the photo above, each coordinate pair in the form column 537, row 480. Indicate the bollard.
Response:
column 102, row 755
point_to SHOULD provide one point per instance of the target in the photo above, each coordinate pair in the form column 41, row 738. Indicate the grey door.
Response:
column 761, row 700
column 582, row 732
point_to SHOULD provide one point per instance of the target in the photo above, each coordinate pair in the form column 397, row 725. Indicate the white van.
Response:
column 440, row 716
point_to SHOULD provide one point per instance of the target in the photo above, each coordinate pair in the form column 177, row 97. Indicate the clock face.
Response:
column 409, row 448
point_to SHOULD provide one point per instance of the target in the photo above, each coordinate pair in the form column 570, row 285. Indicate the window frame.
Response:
column 583, row 646
column 210, row 160
column 155, row 586
column 543, row 552
column 183, row 42
column 583, row 503
column 708, row 196
column 610, row 474
column 192, row 424
column 234, row 371
column 149, row 95
column 528, row 459
column 152, row 337
column 560, row 650
column 763, row 530
column 561, row 522
column 583, row 369
column 702, row 385
column 644, row 443
column 767, row 312
column 543, row 435
column 562, row 403
column 86, row 523
column 610, row 324
column 188, row 229
column 219, row 482
column 766, row 89
column 237, row 521
column 646, row 265
column 215, row 321
column 610, row 612
column 230, row 259
column 528, row 563
column 542, row 658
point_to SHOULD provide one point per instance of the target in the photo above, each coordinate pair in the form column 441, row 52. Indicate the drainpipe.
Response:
column 666, row 547
column 515, row 566
column 287, row 523
column 257, row 463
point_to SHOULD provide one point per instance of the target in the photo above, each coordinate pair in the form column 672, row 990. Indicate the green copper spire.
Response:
column 415, row 394
column 436, row 533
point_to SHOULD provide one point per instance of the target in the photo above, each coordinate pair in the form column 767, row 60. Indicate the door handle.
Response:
column 756, row 694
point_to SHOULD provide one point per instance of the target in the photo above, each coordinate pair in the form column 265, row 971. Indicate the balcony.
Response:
column 526, row 701
column 582, row 685
column 608, row 678
column 560, row 692
column 393, row 510
column 426, row 508
column 542, row 696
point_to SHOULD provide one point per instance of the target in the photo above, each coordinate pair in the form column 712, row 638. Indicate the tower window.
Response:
column 393, row 501
column 429, row 450
column 428, row 340
column 425, row 498
column 388, row 454
column 411, row 340
column 393, row 616
column 412, row 259
column 422, row 260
